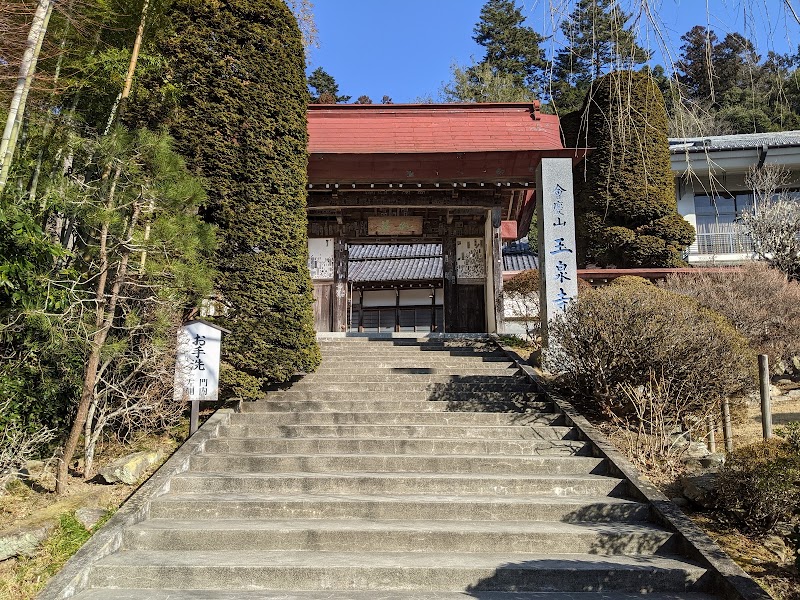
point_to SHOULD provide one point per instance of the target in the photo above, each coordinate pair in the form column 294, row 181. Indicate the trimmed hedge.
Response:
column 241, row 124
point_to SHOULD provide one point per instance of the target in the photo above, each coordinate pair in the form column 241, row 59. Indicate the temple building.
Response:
column 409, row 207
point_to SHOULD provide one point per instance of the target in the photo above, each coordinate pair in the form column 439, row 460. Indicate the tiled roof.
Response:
column 519, row 257
column 395, row 262
column 734, row 142
column 430, row 128
column 396, row 269
column 419, row 262
column 376, row 251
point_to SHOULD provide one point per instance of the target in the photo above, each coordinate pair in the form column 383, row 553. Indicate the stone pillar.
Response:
column 340, row 273
column 449, row 276
column 494, row 272
column 558, row 268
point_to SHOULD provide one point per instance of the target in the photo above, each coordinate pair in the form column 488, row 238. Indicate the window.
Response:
column 718, row 213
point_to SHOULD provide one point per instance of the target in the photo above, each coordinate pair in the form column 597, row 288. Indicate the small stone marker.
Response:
column 197, row 365
column 558, row 266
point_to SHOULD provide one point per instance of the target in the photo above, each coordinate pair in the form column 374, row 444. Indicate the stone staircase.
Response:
column 402, row 469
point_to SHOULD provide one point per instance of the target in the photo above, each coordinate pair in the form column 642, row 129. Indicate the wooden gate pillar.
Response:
column 340, row 274
column 449, row 275
column 495, row 308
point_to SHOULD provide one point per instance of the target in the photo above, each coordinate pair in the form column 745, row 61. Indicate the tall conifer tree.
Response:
column 241, row 124
column 596, row 42
column 512, row 48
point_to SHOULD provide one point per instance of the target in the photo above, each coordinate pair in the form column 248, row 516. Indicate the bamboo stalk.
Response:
column 27, row 68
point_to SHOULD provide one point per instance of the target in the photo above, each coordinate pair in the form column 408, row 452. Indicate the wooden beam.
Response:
column 498, row 304
column 398, row 198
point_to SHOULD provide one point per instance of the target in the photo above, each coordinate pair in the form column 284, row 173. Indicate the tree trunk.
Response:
column 89, row 440
column 100, row 336
column 93, row 363
column 119, row 106
column 26, row 70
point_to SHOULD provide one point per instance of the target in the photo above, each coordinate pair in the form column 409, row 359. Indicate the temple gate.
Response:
column 459, row 175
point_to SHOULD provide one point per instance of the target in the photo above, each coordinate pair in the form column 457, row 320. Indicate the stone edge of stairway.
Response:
column 72, row 578
column 729, row 580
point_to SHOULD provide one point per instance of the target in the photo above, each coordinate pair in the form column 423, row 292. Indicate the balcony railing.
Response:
column 731, row 241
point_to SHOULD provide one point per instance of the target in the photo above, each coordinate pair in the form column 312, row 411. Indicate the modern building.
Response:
column 710, row 183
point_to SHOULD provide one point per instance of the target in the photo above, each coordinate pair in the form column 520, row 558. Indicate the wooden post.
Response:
column 194, row 419
column 495, row 259
column 712, row 435
column 726, row 425
column 361, row 310
column 340, row 265
column 449, row 276
column 396, row 309
column 433, row 308
column 766, row 401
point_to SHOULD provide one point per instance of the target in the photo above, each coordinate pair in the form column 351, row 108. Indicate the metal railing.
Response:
column 722, row 242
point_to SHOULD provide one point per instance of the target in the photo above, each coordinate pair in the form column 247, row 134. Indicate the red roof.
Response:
column 430, row 128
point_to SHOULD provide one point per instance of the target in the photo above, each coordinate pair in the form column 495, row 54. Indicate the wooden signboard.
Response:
column 470, row 260
column 394, row 226
column 320, row 258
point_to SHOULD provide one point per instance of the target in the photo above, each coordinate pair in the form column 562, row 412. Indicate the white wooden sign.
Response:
column 197, row 364
column 320, row 258
column 470, row 259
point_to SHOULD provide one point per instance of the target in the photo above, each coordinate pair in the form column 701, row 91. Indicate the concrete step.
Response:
column 373, row 463
column 396, row 418
column 458, row 377
column 456, row 507
column 206, row 594
column 415, row 354
column 460, row 395
column 394, row 570
column 350, row 535
column 420, row 367
column 468, row 357
column 437, row 390
column 346, row 404
column 358, row 483
column 499, row 432
column 388, row 340
column 390, row 446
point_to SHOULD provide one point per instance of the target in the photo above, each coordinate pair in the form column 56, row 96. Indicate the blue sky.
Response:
column 404, row 48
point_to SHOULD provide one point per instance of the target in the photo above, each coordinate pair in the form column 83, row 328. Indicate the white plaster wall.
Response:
column 685, row 192
column 407, row 297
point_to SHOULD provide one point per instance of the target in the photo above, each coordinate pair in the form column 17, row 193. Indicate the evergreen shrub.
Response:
column 759, row 485
column 630, row 280
column 625, row 198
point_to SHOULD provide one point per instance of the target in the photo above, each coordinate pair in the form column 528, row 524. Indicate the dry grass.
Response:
column 781, row 580
column 32, row 504
column 749, row 431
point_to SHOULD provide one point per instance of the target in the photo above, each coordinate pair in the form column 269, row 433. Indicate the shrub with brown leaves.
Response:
column 759, row 301
column 621, row 336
